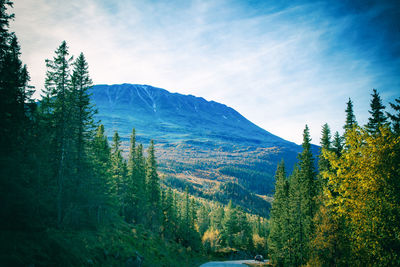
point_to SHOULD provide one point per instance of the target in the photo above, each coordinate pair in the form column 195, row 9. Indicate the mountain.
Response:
column 204, row 145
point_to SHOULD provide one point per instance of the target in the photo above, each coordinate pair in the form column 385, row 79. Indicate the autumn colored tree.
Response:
column 365, row 188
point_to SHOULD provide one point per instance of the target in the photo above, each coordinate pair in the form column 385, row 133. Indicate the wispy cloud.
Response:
column 280, row 66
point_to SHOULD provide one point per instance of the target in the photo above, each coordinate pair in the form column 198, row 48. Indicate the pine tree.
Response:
column 378, row 117
column 104, row 200
column 230, row 226
column 395, row 118
column 80, row 135
column 132, row 198
column 17, row 176
column 217, row 217
column 140, row 170
column 244, row 237
column 153, row 189
column 296, row 232
column 203, row 219
column 350, row 117
column 323, row 164
column 185, row 227
column 308, row 190
column 169, row 220
column 57, row 91
column 194, row 237
column 83, row 111
column 337, row 144
column 279, row 214
column 119, row 172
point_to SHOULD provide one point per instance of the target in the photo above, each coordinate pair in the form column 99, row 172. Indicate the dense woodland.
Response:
column 348, row 213
column 70, row 198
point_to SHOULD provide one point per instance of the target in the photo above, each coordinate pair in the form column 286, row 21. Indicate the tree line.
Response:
column 347, row 213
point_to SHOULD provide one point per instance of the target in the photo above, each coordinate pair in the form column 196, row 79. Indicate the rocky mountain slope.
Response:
column 204, row 145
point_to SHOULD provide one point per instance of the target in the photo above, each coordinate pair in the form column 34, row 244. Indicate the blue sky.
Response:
column 281, row 64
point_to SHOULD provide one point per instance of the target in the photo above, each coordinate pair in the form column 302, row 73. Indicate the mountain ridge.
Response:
column 204, row 145
column 149, row 95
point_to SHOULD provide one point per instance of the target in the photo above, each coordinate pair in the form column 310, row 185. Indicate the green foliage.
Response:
column 395, row 118
column 17, row 171
column 256, row 181
column 69, row 199
column 365, row 188
column 337, row 144
column 350, row 117
column 378, row 117
column 278, row 239
column 323, row 164
column 152, row 189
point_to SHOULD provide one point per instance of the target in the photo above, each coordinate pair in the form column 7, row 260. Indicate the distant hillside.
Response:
column 201, row 144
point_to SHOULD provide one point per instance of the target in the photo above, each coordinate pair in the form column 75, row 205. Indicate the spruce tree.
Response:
column 132, row 184
column 350, row 117
column 203, row 219
column 244, row 237
column 296, row 231
column 169, row 222
column 119, row 172
column 153, row 188
column 230, row 225
column 378, row 117
column 185, row 219
column 308, row 190
column 57, row 91
column 83, row 111
column 140, row 178
column 323, row 163
column 337, row 144
column 279, row 214
column 104, row 200
column 17, row 149
column 395, row 118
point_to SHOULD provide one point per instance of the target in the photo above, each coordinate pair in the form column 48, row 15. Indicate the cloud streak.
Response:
column 280, row 66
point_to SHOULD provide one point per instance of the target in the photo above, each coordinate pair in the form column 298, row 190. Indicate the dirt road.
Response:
column 226, row 263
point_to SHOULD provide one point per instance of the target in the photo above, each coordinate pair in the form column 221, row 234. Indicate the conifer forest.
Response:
column 72, row 196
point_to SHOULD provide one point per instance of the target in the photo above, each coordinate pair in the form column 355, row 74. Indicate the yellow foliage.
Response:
column 211, row 239
column 260, row 243
column 363, row 187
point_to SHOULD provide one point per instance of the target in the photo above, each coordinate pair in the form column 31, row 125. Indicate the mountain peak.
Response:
column 170, row 117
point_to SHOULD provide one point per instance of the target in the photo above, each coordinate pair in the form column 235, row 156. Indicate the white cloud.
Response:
column 279, row 69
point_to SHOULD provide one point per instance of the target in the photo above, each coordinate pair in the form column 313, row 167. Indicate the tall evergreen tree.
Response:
column 230, row 225
column 350, row 117
column 104, row 200
column 169, row 220
column 83, row 111
column 337, row 144
column 152, row 188
column 296, row 232
column 57, row 90
column 323, row 164
column 395, row 118
column 140, row 180
column 378, row 117
column 133, row 188
column 119, row 171
column 279, row 215
column 16, row 143
column 307, row 181
column 203, row 219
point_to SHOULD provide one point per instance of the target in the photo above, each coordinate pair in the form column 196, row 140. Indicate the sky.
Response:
column 281, row 64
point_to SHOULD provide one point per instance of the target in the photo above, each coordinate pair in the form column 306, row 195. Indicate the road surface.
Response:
column 226, row 263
